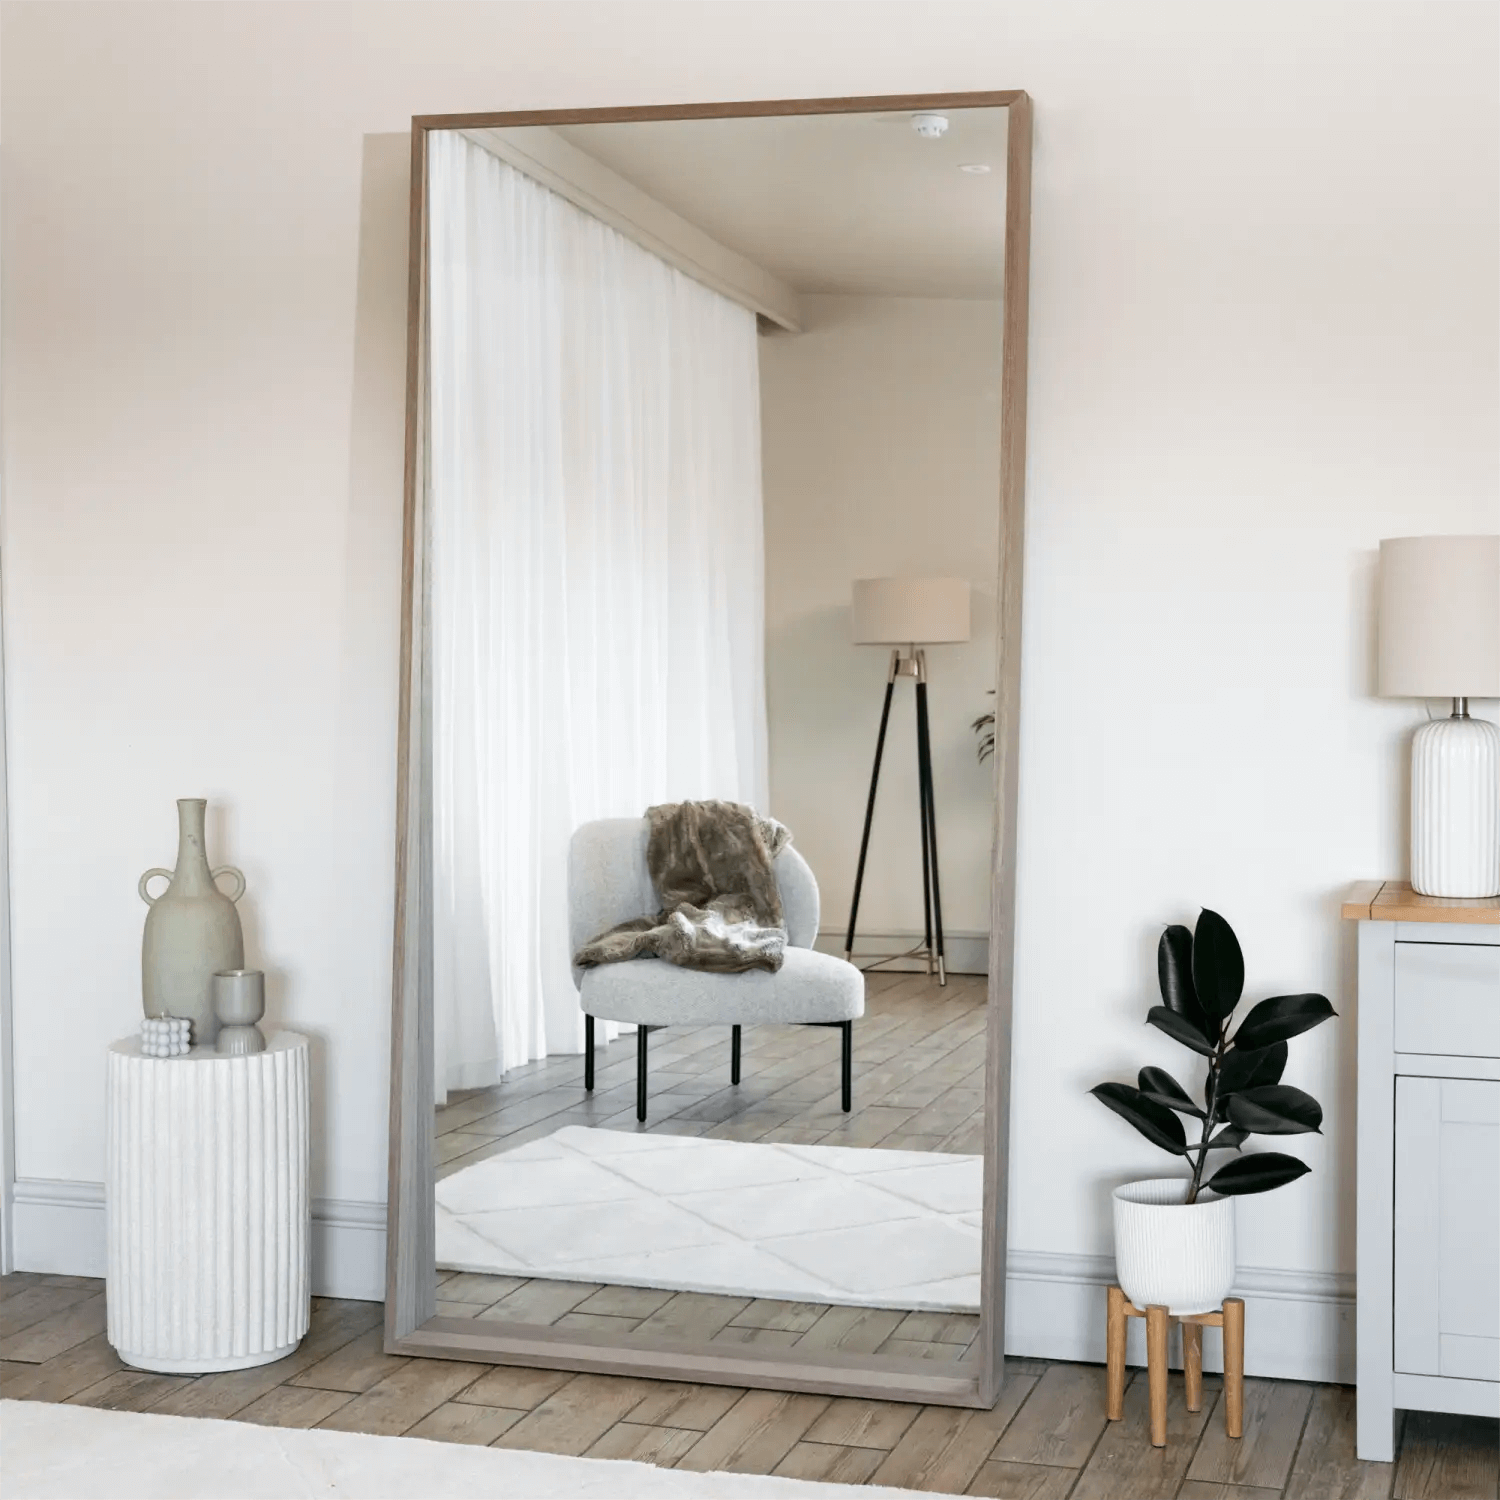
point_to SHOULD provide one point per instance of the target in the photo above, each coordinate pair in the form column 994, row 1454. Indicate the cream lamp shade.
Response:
column 910, row 611
column 1440, row 617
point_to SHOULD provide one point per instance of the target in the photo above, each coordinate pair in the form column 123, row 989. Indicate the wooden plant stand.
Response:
column 1158, row 1320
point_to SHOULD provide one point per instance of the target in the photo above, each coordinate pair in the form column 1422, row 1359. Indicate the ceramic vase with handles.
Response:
column 192, row 930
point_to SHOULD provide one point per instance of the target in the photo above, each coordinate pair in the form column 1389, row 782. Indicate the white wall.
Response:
column 1263, row 337
column 880, row 430
column 7, row 1113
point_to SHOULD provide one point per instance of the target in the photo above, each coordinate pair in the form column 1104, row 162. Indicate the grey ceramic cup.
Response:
column 239, row 997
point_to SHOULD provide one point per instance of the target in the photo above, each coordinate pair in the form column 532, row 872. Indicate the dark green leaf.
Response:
column 1174, row 972
column 1159, row 1085
column 1228, row 1139
column 1257, row 1173
column 1283, row 1016
column 1218, row 967
column 1179, row 1028
column 1154, row 1121
column 1277, row 1109
column 1248, row 1070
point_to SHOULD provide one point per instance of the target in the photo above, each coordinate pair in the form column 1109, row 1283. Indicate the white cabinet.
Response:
column 1428, row 1245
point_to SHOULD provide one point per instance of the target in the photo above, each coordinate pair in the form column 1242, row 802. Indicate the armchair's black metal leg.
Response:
column 734, row 1054
column 864, row 838
column 924, row 770
column 641, row 1032
column 588, row 1054
column 847, row 1080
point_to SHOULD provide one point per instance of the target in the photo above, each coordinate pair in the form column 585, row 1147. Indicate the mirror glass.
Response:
column 713, row 471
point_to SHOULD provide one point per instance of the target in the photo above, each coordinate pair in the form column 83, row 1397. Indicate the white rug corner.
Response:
column 52, row 1452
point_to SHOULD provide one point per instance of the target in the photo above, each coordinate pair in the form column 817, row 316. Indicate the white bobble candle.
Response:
column 165, row 1036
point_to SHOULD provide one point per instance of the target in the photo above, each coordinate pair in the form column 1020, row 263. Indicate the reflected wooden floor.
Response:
column 1046, row 1439
column 918, row 1086
column 918, row 1082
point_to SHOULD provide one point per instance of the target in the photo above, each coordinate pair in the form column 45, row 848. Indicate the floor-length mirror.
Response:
column 712, row 469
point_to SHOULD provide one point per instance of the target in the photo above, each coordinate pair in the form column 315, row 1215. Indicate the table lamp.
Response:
column 1440, row 638
column 907, row 614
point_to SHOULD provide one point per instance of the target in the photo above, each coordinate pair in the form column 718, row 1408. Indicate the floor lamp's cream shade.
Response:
column 1440, row 638
column 1440, row 617
column 910, row 611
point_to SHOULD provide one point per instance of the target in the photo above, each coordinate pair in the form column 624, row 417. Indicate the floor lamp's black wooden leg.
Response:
column 922, row 807
column 640, row 1071
column 588, row 1053
column 929, row 823
column 847, row 1080
column 734, row 1054
column 864, row 839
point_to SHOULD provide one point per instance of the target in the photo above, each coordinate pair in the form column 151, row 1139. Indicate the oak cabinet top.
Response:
column 1395, row 901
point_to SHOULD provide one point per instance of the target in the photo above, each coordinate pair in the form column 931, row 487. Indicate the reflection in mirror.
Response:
column 713, row 473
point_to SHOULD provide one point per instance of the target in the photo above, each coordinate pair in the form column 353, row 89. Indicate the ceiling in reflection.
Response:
column 847, row 204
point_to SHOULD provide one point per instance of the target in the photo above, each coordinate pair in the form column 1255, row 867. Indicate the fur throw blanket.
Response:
column 710, row 864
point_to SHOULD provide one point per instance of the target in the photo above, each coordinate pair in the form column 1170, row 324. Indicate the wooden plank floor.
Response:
column 1046, row 1439
column 918, row 1086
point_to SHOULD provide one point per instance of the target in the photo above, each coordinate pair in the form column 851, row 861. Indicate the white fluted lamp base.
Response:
column 1455, row 808
column 208, row 1208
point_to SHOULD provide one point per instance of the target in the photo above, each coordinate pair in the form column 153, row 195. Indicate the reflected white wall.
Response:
column 881, row 438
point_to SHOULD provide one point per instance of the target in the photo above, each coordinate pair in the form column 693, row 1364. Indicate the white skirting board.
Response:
column 59, row 1230
column 1298, row 1325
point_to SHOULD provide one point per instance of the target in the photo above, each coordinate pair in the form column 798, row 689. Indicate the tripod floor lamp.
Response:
column 907, row 614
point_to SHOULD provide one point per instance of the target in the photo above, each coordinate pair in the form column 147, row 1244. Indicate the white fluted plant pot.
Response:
column 1173, row 1254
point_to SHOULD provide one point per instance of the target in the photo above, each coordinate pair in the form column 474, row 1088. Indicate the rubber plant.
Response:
column 1202, row 977
column 984, row 727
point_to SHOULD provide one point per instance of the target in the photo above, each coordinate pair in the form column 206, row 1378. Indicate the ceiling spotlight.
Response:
column 978, row 168
column 930, row 127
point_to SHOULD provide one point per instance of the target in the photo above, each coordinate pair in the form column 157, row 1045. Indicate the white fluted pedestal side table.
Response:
column 207, row 1206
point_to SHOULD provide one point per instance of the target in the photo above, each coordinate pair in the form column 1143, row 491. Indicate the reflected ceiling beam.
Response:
column 597, row 190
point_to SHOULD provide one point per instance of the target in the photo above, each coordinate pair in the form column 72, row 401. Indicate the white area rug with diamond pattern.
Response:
column 839, row 1224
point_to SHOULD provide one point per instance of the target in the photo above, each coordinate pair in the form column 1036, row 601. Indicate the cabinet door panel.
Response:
column 1447, row 1239
column 1419, row 1119
column 1470, row 1358
column 1469, row 1255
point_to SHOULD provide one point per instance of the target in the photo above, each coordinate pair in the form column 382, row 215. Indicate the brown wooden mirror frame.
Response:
column 411, row 1324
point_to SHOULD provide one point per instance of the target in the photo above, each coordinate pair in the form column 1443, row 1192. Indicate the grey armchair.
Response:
column 608, row 883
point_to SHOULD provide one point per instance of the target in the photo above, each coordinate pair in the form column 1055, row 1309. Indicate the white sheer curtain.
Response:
column 594, row 504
